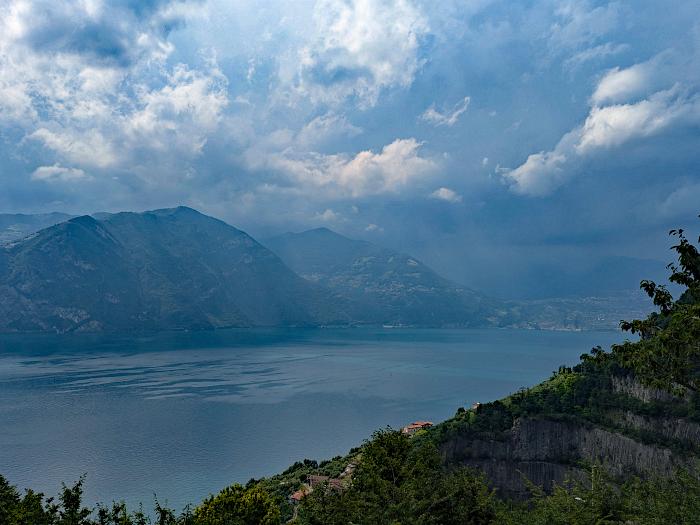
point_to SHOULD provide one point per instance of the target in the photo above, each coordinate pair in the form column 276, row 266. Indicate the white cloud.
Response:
column 112, row 104
column 181, row 114
column 446, row 194
column 614, row 125
column 373, row 228
column 359, row 49
column 539, row 174
column 88, row 147
column 58, row 173
column 617, row 116
column 446, row 118
column 621, row 84
column 393, row 169
column 578, row 23
column 598, row 52
column 325, row 128
column 327, row 215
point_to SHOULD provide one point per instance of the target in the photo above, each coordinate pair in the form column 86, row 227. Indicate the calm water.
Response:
column 183, row 415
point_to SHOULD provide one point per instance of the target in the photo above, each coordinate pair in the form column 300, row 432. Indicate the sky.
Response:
column 497, row 140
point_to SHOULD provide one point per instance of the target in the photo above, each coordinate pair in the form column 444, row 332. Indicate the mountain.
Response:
column 165, row 269
column 177, row 268
column 16, row 226
column 392, row 287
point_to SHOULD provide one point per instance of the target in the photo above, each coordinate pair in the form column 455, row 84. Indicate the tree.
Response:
column 668, row 352
column 401, row 480
column 71, row 510
column 236, row 505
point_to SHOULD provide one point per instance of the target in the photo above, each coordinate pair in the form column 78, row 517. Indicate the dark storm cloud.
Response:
column 109, row 35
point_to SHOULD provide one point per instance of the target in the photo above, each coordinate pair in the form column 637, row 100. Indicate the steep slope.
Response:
column 166, row 269
column 393, row 288
column 557, row 430
column 16, row 226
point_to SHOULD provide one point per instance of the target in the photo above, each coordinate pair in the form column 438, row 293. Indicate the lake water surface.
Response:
column 182, row 415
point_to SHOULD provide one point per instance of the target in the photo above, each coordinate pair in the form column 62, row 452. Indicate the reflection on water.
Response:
column 185, row 414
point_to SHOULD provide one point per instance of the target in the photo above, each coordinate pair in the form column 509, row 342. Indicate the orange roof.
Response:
column 420, row 424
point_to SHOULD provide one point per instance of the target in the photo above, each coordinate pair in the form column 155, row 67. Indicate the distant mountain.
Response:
column 16, row 226
column 392, row 287
column 179, row 269
column 165, row 269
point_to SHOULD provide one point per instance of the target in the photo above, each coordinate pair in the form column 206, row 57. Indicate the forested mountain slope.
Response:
column 166, row 269
column 396, row 288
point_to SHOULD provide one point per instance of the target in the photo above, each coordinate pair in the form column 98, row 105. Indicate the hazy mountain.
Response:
column 177, row 268
column 16, row 226
column 165, row 269
column 392, row 287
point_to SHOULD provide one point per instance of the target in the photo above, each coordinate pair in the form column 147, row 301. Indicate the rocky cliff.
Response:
column 636, row 434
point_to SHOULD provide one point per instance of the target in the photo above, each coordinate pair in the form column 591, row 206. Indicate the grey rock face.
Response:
column 548, row 452
column 629, row 386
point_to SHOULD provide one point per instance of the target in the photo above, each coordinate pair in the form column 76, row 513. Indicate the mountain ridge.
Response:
column 167, row 269
column 397, row 288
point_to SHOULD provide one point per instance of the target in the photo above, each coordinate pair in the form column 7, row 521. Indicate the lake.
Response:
column 182, row 415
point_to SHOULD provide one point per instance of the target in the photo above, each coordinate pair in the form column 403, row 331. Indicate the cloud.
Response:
column 621, row 84
column 541, row 173
column 614, row 125
column 373, row 228
column 90, row 82
column 174, row 120
column 325, row 128
column 450, row 118
column 395, row 168
column 328, row 215
column 446, row 194
column 617, row 116
column 594, row 53
column 105, row 34
column 58, row 173
column 359, row 49
column 181, row 114
column 577, row 23
column 681, row 202
column 88, row 147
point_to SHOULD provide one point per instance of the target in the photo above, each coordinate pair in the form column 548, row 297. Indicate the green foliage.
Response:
column 236, row 505
column 402, row 481
column 655, row 501
column 667, row 356
column 598, row 503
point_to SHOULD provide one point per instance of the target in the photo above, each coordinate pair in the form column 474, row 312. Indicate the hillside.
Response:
column 395, row 288
column 16, row 226
column 166, row 269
